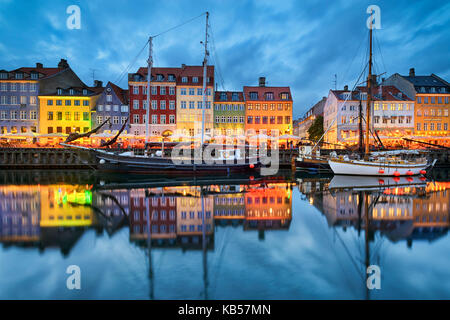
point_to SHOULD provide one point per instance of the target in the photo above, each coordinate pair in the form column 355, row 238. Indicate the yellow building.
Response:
column 67, row 111
column 190, row 100
column 66, row 206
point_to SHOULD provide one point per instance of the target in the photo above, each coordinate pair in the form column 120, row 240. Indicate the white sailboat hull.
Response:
column 367, row 168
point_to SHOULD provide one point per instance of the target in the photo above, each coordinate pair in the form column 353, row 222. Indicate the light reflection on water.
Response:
column 303, row 237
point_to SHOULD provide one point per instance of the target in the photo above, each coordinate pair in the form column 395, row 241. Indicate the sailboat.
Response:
column 225, row 162
column 376, row 165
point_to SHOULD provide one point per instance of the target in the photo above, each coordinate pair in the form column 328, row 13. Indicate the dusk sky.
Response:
column 301, row 44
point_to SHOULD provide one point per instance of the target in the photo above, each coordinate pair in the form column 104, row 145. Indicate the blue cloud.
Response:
column 302, row 44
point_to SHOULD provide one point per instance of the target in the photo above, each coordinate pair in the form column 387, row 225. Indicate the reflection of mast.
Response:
column 149, row 244
column 366, row 238
column 204, row 247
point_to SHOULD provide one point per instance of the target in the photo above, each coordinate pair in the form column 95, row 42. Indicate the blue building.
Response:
column 112, row 104
column 19, row 90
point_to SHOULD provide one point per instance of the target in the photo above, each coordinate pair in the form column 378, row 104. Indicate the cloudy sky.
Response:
column 301, row 44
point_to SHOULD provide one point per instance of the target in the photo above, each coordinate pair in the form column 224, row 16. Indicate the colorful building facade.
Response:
column 112, row 104
column 163, row 113
column 229, row 113
column 19, row 90
column 190, row 99
column 268, row 108
column 432, row 103
column 65, row 104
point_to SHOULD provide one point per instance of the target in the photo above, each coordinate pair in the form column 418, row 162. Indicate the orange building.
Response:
column 268, row 108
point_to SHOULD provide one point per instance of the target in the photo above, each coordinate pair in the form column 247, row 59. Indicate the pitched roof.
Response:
column 45, row 72
column 218, row 96
column 178, row 72
column 277, row 91
column 428, row 82
column 121, row 94
column 379, row 93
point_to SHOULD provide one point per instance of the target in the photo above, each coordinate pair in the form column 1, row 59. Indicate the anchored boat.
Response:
column 373, row 165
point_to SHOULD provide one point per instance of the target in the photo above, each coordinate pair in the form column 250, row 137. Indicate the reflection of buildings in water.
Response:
column 19, row 214
column 44, row 215
column 229, row 207
column 162, row 211
column 112, row 208
column 190, row 221
column 399, row 213
column 268, row 207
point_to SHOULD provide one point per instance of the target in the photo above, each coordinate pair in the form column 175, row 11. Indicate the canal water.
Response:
column 285, row 237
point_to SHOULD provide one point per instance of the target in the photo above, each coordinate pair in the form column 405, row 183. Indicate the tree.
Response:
column 316, row 129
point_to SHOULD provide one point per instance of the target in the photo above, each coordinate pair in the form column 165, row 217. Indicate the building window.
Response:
column 135, row 104
column 162, row 90
column 171, row 119
column 49, row 115
column 154, row 104
column 172, row 91
column 115, row 120
column 154, row 90
column 191, row 91
column 184, row 79
column 154, row 118
column 163, row 119
column 99, row 119
column 135, row 118
column 76, row 116
column 183, row 91
column 162, row 104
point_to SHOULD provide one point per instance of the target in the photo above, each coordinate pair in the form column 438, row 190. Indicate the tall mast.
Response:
column 149, row 79
column 369, row 94
column 205, row 66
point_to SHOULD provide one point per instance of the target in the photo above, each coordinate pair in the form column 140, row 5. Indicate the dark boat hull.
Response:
column 148, row 165
column 313, row 164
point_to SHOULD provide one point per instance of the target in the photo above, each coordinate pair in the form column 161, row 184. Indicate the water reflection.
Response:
column 187, row 217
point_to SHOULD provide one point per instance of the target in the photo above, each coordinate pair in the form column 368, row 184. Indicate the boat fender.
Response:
column 423, row 172
column 409, row 173
column 102, row 161
column 381, row 171
column 396, row 173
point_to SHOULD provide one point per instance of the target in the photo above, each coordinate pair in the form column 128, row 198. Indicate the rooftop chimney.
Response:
column 63, row 64
column 98, row 83
column 262, row 81
column 412, row 72
column 346, row 88
column 39, row 65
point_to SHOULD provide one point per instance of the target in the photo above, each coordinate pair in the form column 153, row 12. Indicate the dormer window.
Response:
column 363, row 96
column 422, row 89
column 84, row 92
column 285, row 96
column 19, row 75
column 184, row 79
column 269, row 95
column 433, row 90
column 253, row 95
column 3, row 75
column 136, row 77
column 195, row 79
column 235, row 96
column 34, row 76
column 208, row 79
column 400, row 95
column 59, row 91
column 223, row 96
column 71, row 92
column 159, row 77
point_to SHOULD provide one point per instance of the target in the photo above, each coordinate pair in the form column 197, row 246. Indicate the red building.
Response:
column 163, row 101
